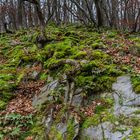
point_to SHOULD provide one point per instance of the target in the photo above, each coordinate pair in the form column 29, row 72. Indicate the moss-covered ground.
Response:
column 102, row 55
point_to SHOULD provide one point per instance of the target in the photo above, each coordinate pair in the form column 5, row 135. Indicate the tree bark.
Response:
column 98, row 12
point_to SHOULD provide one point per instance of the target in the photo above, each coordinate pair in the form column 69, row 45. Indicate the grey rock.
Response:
column 77, row 100
column 104, row 131
column 49, row 121
column 35, row 74
column 62, row 128
column 126, row 102
column 45, row 94
column 84, row 61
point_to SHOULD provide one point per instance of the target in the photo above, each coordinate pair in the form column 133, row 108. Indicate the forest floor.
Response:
column 25, row 68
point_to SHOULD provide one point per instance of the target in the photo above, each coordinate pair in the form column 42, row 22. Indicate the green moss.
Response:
column 2, row 105
column 85, row 81
column 5, row 85
column 111, row 34
column 70, row 129
column 137, row 89
column 6, row 82
column 91, row 37
column 126, row 69
column 40, row 56
column 52, row 32
column 97, row 76
column 129, row 121
column 52, row 63
column 137, row 112
column 54, row 134
column 60, row 114
column 97, row 54
column 6, row 77
column 43, row 76
column 91, row 121
column 113, row 70
column 6, row 96
column 97, row 45
column 61, row 49
column 135, row 134
column 27, row 58
column 104, row 83
column 60, row 55
column 136, row 83
column 20, row 77
column 102, row 115
column 37, row 129
column 109, row 102
column 80, row 55
column 99, row 109
column 135, row 39
column 16, row 122
column 90, row 66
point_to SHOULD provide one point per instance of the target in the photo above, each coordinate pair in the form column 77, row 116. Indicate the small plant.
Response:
column 136, row 83
column 12, row 125
column 2, row 104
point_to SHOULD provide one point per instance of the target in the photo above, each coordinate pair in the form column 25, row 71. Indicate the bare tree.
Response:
column 121, row 14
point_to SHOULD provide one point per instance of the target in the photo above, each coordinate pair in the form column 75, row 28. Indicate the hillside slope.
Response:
column 63, row 89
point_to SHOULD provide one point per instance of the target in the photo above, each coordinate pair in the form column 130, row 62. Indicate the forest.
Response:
column 119, row 14
column 69, row 69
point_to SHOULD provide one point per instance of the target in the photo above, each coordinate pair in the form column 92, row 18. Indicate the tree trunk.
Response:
column 98, row 12
column 20, row 7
